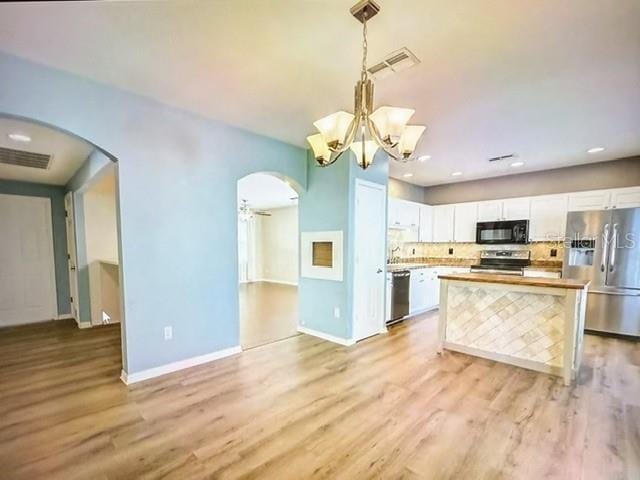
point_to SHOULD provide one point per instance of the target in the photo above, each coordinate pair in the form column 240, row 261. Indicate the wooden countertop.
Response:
column 517, row 280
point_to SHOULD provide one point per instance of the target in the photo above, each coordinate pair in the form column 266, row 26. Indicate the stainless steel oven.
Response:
column 501, row 233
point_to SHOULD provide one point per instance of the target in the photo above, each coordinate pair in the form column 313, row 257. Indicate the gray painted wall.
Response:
column 56, row 195
column 613, row 174
column 405, row 191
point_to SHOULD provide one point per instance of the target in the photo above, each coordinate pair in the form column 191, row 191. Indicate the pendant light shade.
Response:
column 390, row 122
column 334, row 127
column 409, row 139
column 364, row 158
column 320, row 149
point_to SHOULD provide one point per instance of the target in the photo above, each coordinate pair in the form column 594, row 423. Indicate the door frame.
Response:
column 72, row 254
column 360, row 183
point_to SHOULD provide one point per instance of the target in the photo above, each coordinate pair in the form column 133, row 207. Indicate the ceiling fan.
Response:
column 246, row 212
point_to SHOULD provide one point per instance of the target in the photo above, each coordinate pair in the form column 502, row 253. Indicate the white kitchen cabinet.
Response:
column 465, row 220
column 592, row 200
column 418, row 290
column 490, row 211
column 403, row 214
column 443, row 223
column 548, row 217
column 516, row 209
column 426, row 223
column 508, row 209
column 433, row 288
column 625, row 197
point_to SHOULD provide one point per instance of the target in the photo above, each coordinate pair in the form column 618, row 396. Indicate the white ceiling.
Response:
column 68, row 153
column 263, row 191
column 541, row 78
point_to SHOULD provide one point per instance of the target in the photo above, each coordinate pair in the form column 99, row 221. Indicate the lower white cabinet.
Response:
column 424, row 287
column 418, row 290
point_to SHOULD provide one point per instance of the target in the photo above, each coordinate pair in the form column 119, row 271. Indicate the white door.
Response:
column 370, row 258
column 27, row 272
column 72, row 258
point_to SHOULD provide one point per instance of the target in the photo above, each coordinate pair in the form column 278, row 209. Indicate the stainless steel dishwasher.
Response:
column 400, row 281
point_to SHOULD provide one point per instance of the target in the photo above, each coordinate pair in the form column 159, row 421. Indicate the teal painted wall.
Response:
column 329, row 204
column 56, row 195
column 177, row 180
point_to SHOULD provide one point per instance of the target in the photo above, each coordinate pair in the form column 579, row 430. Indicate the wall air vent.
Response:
column 393, row 63
column 21, row 158
column 503, row 157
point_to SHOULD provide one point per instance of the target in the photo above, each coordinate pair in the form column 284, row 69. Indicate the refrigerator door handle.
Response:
column 614, row 245
column 605, row 248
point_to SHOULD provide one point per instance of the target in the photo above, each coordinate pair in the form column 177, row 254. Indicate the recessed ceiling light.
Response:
column 595, row 150
column 19, row 137
column 424, row 158
column 456, row 174
column 517, row 164
column 408, row 175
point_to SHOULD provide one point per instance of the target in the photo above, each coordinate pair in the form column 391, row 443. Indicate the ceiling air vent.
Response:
column 21, row 158
column 502, row 157
column 393, row 63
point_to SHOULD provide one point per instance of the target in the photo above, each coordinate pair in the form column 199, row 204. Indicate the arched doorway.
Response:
column 59, row 210
column 268, row 252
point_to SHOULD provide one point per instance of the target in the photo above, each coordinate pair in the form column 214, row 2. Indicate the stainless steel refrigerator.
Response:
column 604, row 247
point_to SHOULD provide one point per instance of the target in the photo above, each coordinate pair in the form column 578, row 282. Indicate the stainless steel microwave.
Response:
column 513, row 231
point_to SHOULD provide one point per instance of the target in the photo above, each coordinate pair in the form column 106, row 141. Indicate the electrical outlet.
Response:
column 451, row 251
column 554, row 252
column 168, row 333
column 336, row 312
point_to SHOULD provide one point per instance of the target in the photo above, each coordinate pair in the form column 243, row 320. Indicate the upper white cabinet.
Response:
column 625, row 197
column 509, row 209
column 490, row 211
column 594, row 200
column 426, row 224
column 403, row 213
column 548, row 217
column 516, row 209
column 465, row 220
column 443, row 223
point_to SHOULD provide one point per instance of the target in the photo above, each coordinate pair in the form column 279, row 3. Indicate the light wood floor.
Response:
column 388, row 407
column 268, row 313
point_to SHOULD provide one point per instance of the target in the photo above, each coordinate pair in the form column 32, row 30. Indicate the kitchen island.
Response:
column 534, row 323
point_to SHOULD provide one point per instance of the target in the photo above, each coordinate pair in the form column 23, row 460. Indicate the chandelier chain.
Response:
column 363, row 74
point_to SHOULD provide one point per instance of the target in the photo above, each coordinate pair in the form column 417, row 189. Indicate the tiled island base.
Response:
column 531, row 324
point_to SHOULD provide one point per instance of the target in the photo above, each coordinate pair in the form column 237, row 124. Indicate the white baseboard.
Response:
column 66, row 316
column 129, row 378
column 281, row 282
column 326, row 336
column 84, row 325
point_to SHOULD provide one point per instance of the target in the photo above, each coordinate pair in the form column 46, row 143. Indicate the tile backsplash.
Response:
column 540, row 251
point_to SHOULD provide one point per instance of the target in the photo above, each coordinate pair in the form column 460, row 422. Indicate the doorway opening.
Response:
column 60, row 237
column 267, row 259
